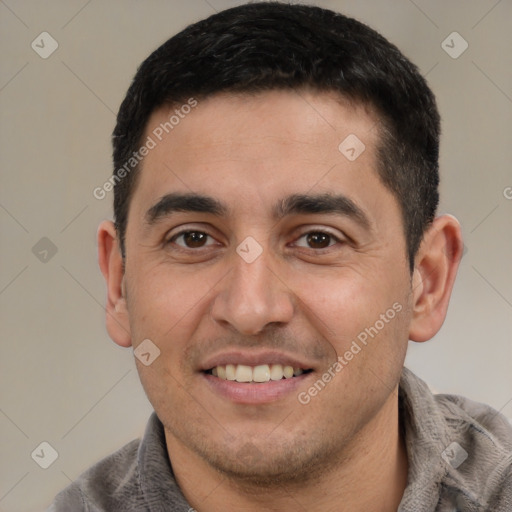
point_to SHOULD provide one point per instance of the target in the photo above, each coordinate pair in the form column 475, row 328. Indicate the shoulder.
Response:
column 467, row 416
column 110, row 485
column 482, row 436
column 459, row 446
column 133, row 479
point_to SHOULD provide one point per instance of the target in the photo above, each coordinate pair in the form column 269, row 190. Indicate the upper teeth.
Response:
column 261, row 373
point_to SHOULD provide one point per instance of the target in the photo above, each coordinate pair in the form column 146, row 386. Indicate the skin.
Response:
column 297, row 297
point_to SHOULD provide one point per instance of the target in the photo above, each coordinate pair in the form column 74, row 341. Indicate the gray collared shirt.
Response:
column 459, row 451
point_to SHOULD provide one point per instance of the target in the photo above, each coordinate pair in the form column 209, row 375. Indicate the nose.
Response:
column 252, row 296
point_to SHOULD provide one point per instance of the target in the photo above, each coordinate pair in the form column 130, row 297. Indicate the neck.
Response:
column 370, row 475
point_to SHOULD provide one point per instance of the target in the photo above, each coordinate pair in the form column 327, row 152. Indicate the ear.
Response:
column 435, row 269
column 111, row 264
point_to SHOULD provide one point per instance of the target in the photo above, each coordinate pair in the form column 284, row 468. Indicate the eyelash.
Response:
column 173, row 239
column 184, row 232
column 333, row 238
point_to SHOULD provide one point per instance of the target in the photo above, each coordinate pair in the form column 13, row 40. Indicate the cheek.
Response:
column 354, row 307
column 167, row 303
column 341, row 304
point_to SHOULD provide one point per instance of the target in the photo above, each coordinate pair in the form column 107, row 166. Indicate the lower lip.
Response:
column 253, row 394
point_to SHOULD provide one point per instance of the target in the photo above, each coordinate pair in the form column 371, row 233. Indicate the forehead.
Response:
column 243, row 148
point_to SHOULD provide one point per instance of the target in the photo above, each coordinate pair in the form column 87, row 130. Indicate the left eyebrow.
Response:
column 322, row 203
column 176, row 202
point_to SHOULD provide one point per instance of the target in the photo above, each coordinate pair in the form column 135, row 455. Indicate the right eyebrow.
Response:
column 177, row 202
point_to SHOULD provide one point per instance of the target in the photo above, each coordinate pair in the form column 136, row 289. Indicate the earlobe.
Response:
column 111, row 264
column 434, row 274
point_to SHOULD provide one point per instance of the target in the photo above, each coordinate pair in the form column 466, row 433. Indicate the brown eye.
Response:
column 194, row 239
column 191, row 239
column 318, row 240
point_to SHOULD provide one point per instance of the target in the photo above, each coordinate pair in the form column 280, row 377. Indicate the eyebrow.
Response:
column 175, row 202
column 322, row 203
column 293, row 204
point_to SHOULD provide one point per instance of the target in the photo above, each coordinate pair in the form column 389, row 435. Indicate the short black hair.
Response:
column 275, row 46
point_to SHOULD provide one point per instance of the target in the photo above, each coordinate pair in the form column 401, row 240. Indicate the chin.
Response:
column 253, row 467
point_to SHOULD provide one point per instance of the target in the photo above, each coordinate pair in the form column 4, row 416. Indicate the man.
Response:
column 275, row 247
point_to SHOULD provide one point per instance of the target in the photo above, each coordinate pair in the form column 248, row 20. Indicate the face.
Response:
column 255, row 250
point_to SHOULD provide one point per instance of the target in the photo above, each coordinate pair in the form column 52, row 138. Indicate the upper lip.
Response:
column 254, row 358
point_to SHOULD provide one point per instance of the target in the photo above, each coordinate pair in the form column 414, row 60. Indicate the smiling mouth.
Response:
column 255, row 374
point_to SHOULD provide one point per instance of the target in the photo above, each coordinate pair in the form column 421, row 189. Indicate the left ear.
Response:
column 435, row 268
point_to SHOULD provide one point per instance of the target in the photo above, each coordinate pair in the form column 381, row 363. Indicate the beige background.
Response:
column 61, row 379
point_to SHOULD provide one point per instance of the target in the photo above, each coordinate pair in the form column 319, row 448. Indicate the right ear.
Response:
column 111, row 264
